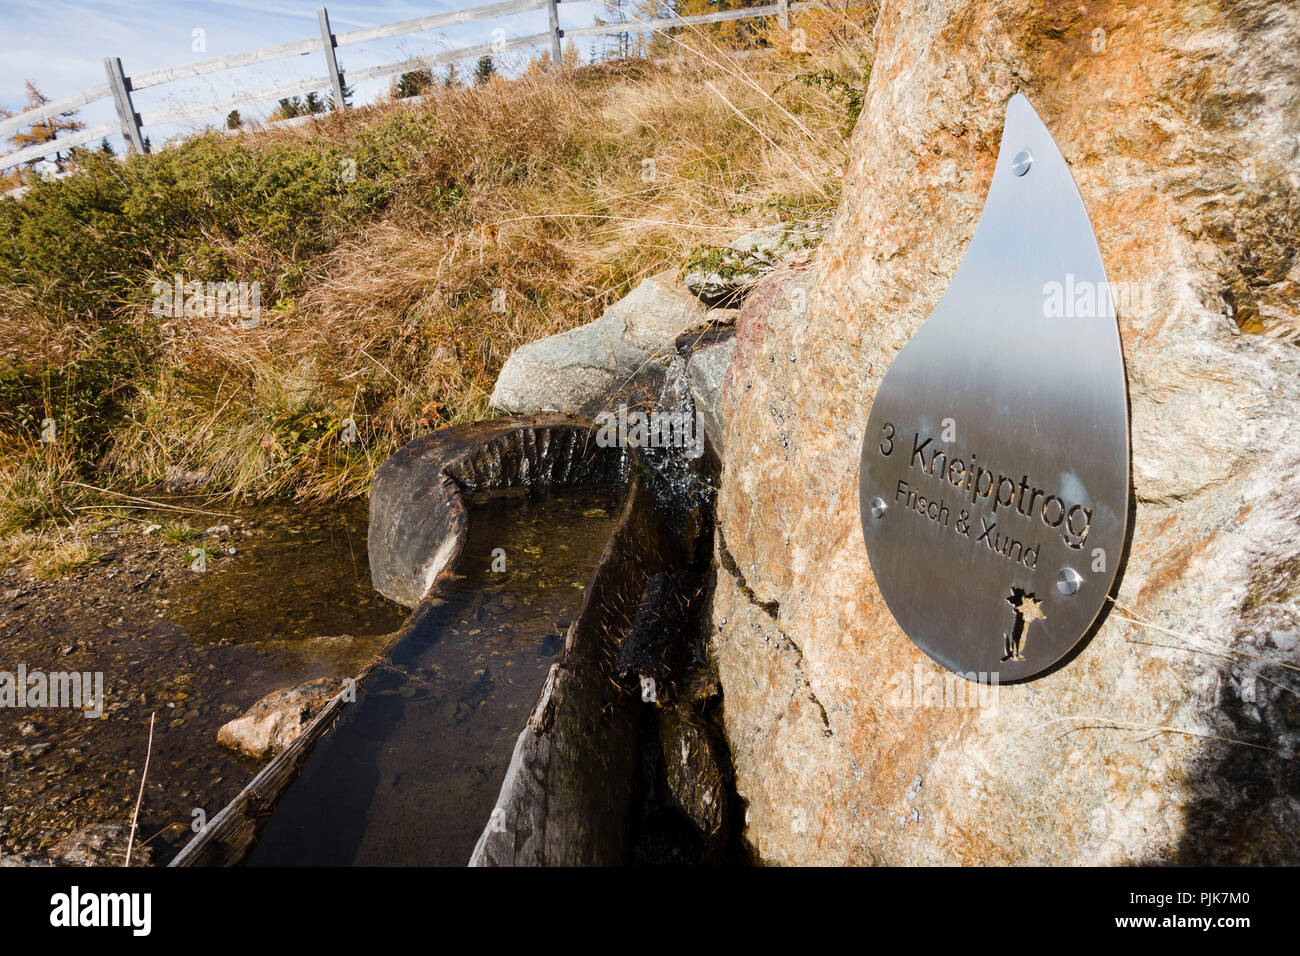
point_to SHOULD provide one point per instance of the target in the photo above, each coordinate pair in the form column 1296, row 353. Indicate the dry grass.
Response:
column 549, row 195
column 50, row 554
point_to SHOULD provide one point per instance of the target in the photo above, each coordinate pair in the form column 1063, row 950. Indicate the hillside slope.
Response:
column 399, row 253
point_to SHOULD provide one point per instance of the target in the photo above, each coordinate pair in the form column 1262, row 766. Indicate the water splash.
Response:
column 681, row 474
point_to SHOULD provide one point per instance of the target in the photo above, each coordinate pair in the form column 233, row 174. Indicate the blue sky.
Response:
column 61, row 45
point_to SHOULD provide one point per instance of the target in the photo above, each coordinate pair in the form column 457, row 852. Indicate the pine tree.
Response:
column 733, row 34
column 483, row 70
column 47, row 130
column 539, row 64
column 234, row 120
column 299, row 106
column 286, row 109
column 348, row 91
column 660, row 42
column 414, row 83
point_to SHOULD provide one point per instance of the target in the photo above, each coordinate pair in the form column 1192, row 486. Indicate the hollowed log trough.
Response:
column 568, row 792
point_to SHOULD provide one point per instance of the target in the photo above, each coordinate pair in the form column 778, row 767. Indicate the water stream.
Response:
column 410, row 773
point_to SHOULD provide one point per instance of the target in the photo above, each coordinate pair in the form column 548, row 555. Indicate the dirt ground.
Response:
column 283, row 597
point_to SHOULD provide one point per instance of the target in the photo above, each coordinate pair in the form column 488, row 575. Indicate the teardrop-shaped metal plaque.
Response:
column 994, row 481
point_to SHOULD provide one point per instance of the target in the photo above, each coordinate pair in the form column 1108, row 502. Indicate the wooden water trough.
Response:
column 572, row 777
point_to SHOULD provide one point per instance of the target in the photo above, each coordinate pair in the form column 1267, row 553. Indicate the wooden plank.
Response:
column 39, row 150
column 331, row 62
column 447, row 56
column 668, row 23
column 553, row 16
column 421, row 24
column 231, row 833
column 126, row 113
column 180, row 113
column 228, row 836
column 230, row 62
column 54, row 108
column 783, row 14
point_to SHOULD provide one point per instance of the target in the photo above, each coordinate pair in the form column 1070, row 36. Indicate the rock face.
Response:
column 1181, row 121
column 693, row 771
column 277, row 719
column 705, row 370
column 623, row 356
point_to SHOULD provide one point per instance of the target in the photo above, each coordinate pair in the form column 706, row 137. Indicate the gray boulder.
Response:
column 705, row 371
column 620, row 357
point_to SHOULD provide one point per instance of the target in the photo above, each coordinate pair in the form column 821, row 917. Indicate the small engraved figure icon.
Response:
column 1027, row 609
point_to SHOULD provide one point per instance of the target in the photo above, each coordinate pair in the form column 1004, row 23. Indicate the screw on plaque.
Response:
column 1054, row 406
column 877, row 507
column 1069, row 581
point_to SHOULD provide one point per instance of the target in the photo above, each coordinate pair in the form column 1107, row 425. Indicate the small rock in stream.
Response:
column 276, row 721
column 100, row 844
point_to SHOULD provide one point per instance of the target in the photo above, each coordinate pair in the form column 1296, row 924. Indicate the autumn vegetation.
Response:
column 384, row 240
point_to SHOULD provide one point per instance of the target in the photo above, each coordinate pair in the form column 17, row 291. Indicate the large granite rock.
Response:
column 622, row 357
column 1180, row 120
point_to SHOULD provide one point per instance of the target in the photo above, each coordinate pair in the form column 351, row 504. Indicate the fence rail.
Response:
column 130, row 122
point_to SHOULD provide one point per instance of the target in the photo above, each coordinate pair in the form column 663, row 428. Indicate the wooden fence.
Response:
column 130, row 123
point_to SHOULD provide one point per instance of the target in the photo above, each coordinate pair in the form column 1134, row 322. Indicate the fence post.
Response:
column 120, row 87
column 783, row 14
column 556, row 32
column 331, row 60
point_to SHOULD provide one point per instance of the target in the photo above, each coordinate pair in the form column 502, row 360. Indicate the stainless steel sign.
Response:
column 994, row 480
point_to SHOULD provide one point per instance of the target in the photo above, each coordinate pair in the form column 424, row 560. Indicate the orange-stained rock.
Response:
column 1181, row 120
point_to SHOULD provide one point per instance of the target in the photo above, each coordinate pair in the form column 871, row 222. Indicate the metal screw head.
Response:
column 1021, row 162
column 1068, row 581
column 877, row 507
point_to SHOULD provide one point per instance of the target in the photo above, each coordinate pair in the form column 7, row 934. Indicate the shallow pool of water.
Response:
column 411, row 771
column 284, row 597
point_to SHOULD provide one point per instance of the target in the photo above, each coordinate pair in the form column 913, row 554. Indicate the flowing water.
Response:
column 411, row 771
